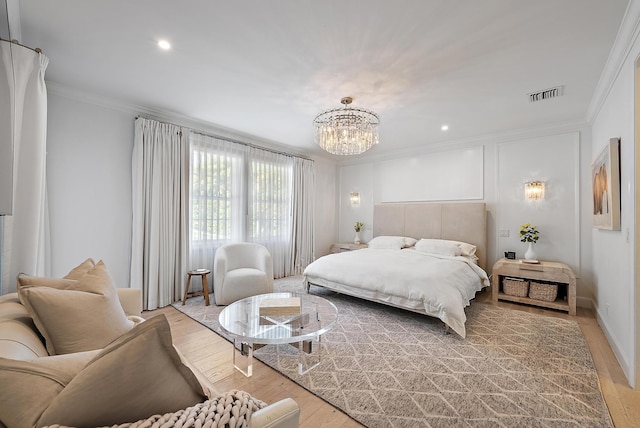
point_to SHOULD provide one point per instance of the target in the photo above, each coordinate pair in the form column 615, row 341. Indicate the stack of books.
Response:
column 280, row 306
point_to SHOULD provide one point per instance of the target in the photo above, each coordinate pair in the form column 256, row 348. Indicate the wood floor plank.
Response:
column 212, row 355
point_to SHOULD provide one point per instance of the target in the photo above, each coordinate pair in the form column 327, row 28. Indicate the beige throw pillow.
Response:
column 28, row 387
column 138, row 375
column 72, row 315
column 79, row 271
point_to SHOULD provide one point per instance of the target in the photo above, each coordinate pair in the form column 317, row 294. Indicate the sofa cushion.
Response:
column 28, row 387
column 138, row 375
column 19, row 340
column 75, row 315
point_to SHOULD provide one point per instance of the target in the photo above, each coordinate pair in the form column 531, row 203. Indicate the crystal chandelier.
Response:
column 347, row 130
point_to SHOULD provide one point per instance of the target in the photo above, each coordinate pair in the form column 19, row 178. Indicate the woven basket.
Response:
column 545, row 292
column 514, row 287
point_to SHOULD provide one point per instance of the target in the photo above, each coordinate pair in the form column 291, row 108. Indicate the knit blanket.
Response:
column 229, row 410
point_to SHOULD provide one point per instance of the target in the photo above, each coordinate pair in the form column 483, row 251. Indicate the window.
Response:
column 270, row 207
column 239, row 193
column 215, row 195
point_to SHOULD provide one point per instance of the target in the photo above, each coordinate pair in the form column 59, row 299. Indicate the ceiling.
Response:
column 267, row 68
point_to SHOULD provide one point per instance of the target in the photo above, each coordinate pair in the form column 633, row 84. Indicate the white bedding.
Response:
column 439, row 286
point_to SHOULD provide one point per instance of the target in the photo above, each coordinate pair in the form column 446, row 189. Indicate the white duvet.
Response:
column 439, row 286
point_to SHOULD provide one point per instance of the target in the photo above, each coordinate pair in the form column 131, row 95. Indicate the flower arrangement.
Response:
column 529, row 233
column 358, row 227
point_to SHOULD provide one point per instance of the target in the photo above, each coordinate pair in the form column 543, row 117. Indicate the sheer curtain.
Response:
column 25, row 233
column 159, row 243
column 302, row 236
column 269, row 210
column 243, row 193
column 217, row 202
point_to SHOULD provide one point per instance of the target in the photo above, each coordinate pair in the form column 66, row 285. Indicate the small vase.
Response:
column 530, row 254
column 357, row 239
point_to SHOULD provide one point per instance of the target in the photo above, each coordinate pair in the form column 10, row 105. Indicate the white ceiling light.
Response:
column 164, row 45
column 445, row 127
column 347, row 130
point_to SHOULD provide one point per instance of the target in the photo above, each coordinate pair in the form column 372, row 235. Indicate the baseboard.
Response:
column 624, row 364
column 584, row 302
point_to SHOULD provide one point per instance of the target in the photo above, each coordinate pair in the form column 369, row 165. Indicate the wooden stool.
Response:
column 202, row 273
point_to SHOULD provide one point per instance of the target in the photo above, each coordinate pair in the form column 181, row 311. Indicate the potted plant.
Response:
column 358, row 227
column 530, row 235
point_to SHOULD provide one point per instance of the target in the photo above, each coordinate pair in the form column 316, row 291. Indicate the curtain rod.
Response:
column 15, row 42
column 231, row 140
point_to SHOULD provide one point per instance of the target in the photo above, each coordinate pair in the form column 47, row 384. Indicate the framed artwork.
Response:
column 605, row 177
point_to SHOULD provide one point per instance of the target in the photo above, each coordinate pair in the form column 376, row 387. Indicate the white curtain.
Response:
column 302, row 239
column 25, row 233
column 217, row 202
column 240, row 193
column 269, row 209
column 159, row 245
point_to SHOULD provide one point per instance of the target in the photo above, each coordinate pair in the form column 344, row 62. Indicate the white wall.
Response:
column 613, row 251
column 554, row 156
column 554, row 160
column 89, row 183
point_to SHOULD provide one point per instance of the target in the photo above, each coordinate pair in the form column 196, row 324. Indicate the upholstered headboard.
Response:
column 464, row 221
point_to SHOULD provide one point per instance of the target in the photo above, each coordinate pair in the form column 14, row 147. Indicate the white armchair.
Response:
column 241, row 270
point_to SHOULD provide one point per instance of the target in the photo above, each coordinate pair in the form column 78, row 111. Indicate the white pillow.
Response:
column 387, row 243
column 409, row 242
column 439, row 246
column 467, row 249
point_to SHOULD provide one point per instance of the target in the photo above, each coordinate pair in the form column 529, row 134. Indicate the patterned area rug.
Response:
column 386, row 367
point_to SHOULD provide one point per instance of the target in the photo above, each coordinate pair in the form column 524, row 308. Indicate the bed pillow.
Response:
column 467, row 249
column 387, row 243
column 408, row 241
column 75, row 316
column 438, row 246
column 138, row 375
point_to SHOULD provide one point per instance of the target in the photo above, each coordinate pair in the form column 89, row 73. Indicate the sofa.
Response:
column 73, row 353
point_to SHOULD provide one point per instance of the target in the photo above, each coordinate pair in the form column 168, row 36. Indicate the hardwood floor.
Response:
column 212, row 355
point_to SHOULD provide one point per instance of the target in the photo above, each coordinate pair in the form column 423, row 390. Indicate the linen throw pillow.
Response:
column 75, row 316
column 29, row 387
column 138, row 375
column 79, row 271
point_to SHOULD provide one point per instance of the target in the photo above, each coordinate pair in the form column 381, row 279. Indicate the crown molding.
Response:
column 627, row 35
column 173, row 117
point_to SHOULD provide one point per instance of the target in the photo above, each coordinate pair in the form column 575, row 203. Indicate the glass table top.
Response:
column 242, row 319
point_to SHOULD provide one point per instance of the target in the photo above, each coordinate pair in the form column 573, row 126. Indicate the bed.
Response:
column 426, row 257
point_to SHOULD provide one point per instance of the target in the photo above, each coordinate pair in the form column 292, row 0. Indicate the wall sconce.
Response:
column 534, row 190
column 354, row 197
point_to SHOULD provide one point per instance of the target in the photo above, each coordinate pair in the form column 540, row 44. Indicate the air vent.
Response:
column 546, row 94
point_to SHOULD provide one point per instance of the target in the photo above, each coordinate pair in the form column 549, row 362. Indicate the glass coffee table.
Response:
column 242, row 321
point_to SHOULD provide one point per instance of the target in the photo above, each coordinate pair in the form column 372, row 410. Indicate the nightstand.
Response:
column 548, row 272
column 346, row 246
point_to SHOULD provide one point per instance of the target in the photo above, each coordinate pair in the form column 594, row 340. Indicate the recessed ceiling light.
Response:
column 164, row 45
column 445, row 127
